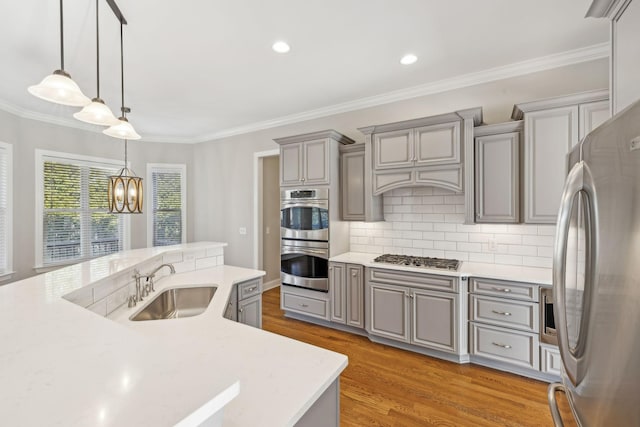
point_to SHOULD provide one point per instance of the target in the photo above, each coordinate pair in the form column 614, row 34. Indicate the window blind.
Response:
column 77, row 224
column 167, row 205
column 4, row 213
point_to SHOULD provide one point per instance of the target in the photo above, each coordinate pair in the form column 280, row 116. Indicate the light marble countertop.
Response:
column 63, row 365
column 541, row 276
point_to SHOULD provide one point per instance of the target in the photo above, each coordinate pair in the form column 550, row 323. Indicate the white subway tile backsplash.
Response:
column 206, row 262
column 99, row 308
column 214, row 252
column 429, row 221
column 117, row 298
column 172, row 257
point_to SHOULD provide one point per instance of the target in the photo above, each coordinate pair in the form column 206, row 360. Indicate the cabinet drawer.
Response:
column 249, row 288
column 306, row 305
column 550, row 360
column 502, row 312
column 405, row 278
column 517, row 348
column 515, row 290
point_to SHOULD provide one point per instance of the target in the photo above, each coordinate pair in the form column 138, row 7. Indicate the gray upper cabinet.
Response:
column 357, row 199
column 310, row 159
column 497, row 173
column 624, row 49
column 551, row 128
column 427, row 151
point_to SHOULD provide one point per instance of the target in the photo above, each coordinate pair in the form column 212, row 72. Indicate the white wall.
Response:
column 223, row 172
column 28, row 135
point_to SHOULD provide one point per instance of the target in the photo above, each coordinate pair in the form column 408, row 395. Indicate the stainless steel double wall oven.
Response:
column 304, row 233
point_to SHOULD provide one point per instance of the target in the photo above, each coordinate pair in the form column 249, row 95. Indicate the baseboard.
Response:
column 270, row 285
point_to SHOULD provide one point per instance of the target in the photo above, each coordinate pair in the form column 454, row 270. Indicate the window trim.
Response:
column 179, row 167
column 8, row 232
column 69, row 158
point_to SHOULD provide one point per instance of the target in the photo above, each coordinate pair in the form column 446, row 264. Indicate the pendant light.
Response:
column 125, row 190
column 123, row 128
column 97, row 112
column 59, row 87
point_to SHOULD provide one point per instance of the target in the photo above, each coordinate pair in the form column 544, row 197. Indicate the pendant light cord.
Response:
column 97, row 52
column 125, row 154
column 61, row 39
column 124, row 114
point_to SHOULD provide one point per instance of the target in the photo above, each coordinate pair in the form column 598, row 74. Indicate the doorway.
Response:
column 267, row 216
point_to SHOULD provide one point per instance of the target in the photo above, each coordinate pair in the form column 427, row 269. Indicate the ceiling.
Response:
column 203, row 69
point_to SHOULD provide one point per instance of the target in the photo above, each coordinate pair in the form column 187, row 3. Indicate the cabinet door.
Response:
column 592, row 115
column 355, row 295
column 291, row 164
column 389, row 311
column 498, row 178
column 250, row 311
column 437, row 144
column 352, row 183
column 435, row 320
column 337, row 292
column 393, row 149
column 549, row 135
column 316, row 162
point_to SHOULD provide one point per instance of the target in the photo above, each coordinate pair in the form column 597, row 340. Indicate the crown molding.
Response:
column 576, row 56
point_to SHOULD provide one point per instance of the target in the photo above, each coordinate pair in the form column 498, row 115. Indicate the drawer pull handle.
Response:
column 507, row 346
column 506, row 290
column 502, row 313
column 250, row 289
column 304, row 305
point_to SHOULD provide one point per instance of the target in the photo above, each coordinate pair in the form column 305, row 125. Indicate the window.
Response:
column 73, row 219
column 166, row 223
column 6, row 204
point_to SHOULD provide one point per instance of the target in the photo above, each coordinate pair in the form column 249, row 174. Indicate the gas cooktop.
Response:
column 419, row 261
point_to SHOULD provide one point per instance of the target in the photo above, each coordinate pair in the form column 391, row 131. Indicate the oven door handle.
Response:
column 310, row 204
column 322, row 253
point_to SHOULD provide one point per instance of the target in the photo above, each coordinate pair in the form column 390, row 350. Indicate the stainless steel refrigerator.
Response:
column 596, row 276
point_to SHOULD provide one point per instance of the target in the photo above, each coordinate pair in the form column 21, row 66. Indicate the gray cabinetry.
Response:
column 310, row 158
column 357, row 199
column 551, row 128
column 245, row 303
column 346, row 292
column 405, row 307
column 497, row 173
column 304, row 301
column 425, row 151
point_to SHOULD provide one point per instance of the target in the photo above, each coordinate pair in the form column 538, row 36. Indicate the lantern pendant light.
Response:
column 97, row 112
column 123, row 128
column 59, row 87
column 125, row 190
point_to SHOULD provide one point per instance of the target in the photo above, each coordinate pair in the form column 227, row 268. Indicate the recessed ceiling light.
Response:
column 281, row 47
column 408, row 59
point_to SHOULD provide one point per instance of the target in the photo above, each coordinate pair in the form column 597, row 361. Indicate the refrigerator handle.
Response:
column 553, row 404
column 578, row 180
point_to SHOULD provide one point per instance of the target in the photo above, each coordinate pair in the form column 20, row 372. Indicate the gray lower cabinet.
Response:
column 497, row 173
column 346, row 292
column 245, row 303
column 413, row 315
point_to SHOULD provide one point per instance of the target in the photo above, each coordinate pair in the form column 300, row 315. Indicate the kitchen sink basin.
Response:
column 175, row 303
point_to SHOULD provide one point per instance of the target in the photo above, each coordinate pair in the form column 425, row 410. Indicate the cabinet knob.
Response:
column 302, row 179
column 353, row 273
column 240, row 310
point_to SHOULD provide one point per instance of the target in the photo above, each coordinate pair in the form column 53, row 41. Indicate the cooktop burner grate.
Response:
column 418, row 261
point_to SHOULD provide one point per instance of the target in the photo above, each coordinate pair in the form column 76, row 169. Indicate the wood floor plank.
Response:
column 388, row 387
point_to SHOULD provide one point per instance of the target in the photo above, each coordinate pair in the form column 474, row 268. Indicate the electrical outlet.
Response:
column 243, row 231
column 493, row 244
column 267, row 230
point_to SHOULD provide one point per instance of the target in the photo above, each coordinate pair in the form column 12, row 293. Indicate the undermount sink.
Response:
column 175, row 303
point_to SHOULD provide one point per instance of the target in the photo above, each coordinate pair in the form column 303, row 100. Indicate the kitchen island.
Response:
column 62, row 364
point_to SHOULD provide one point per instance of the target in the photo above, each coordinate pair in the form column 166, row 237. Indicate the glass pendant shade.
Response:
column 97, row 113
column 125, row 192
column 122, row 130
column 59, row 88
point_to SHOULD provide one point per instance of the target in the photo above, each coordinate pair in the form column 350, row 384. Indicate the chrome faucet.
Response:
column 134, row 299
column 149, row 287
column 144, row 290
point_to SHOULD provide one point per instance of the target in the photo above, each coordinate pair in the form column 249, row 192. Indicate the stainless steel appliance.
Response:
column 547, row 321
column 305, row 264
column 419, row 261
column 304, row 214
column 596, row 275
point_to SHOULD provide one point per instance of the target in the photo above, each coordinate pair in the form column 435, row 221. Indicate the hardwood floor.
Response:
column 385, row 386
